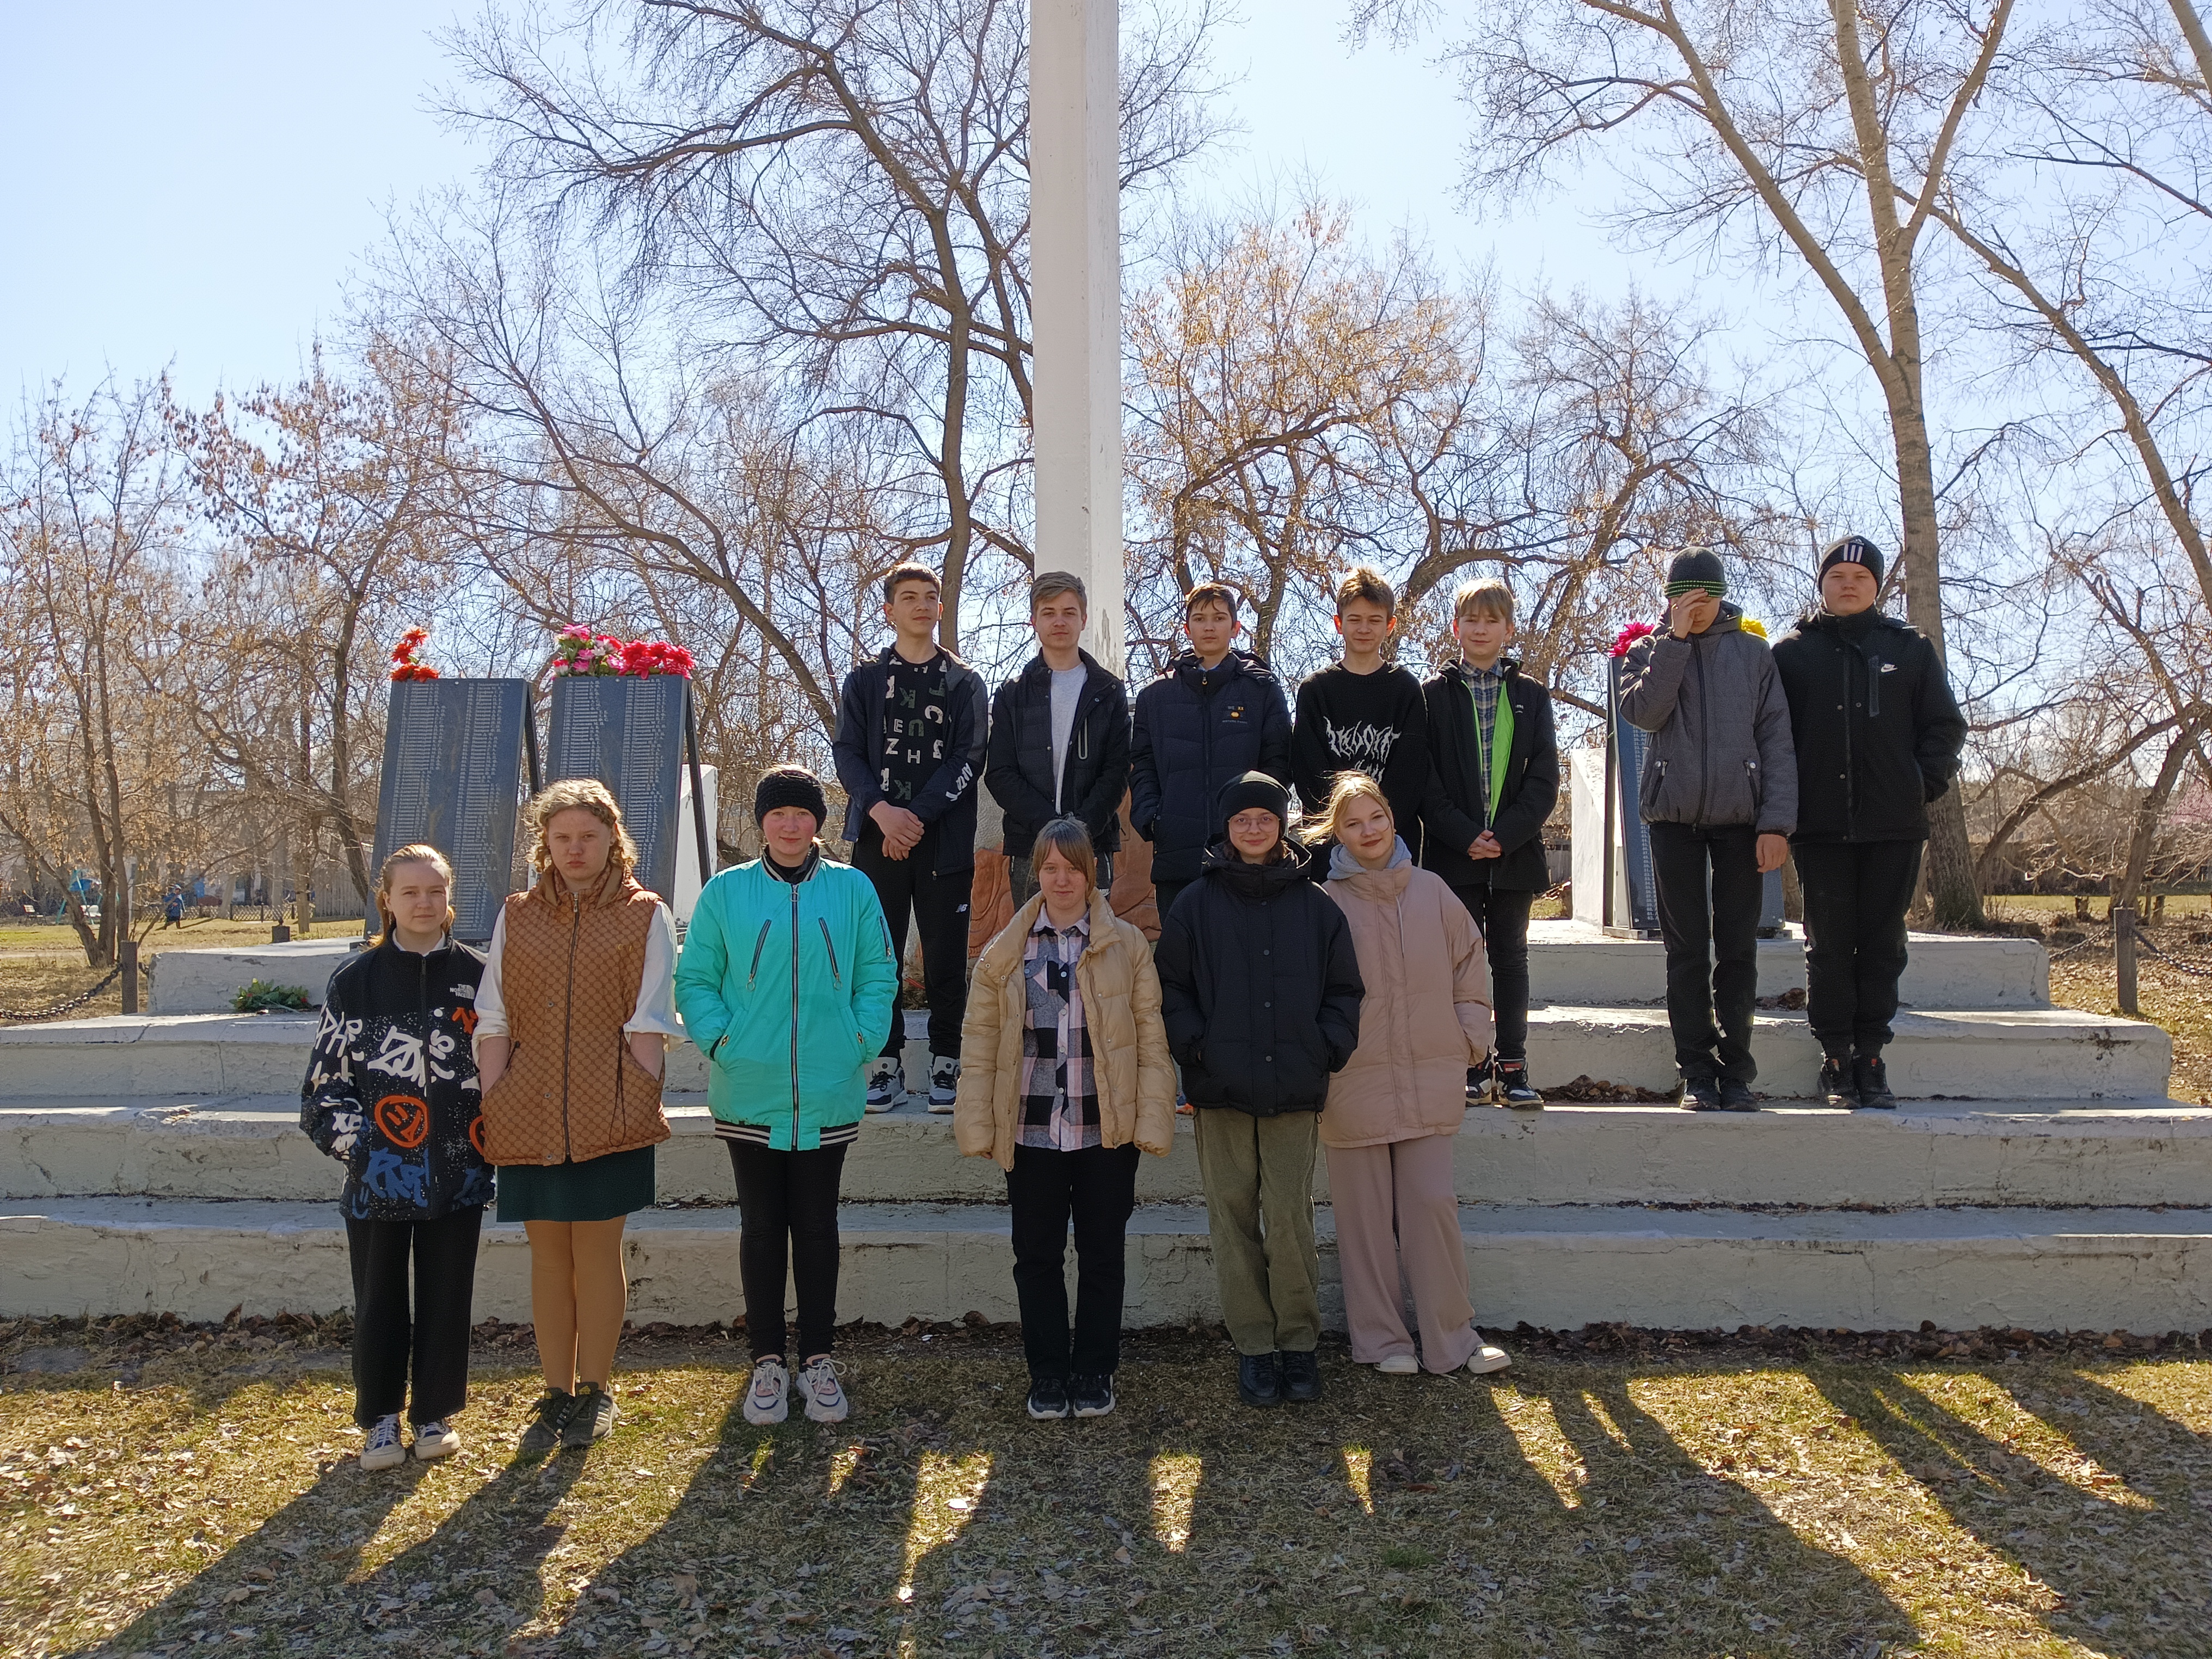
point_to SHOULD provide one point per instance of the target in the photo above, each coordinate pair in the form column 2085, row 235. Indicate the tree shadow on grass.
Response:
column 2126, row 1555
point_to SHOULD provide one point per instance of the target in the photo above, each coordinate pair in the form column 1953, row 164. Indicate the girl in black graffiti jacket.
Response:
column 391, row 1093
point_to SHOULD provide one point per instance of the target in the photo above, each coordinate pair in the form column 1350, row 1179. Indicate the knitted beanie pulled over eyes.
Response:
column 1696, row 569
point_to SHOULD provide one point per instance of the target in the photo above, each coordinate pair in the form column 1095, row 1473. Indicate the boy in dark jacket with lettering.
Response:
column 1719, row 790
column 1877, row 734
column 1214, row 714
column 1259, row 989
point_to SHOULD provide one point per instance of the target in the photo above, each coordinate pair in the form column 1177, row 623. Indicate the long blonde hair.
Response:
column 589, row 795
column 416, row 852
column 1349, row 788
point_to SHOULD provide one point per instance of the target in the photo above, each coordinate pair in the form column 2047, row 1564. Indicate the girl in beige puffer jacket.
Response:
column 1393, row 1111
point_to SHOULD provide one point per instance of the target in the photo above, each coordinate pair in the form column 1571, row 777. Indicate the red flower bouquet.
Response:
column 577, row 650
column 406, row 662
column 1629, row 635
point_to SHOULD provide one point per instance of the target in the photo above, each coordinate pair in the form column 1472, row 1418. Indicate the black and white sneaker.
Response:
column 1479, row 1085
column 1091, row 1396
column 547, row 1418
column 593, row 1417
column 384, row 1449
column 1049, row 1398
column 1873, row 1079
column 1838, row 1086
column 944, row 1082
column 886, row 1089
column 1512, row 1088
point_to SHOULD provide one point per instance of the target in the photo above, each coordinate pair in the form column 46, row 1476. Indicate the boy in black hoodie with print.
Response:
column 1363, row 713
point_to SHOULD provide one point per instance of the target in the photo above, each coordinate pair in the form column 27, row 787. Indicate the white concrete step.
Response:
column 2003, row 1053
column 2139, row 1270
column 1574, row 961
column 1996, row 1153
column 2007, row 1053
column 203, row 981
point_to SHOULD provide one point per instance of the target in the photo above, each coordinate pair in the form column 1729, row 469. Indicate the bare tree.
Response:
column 835, row 192
column 1828, row 131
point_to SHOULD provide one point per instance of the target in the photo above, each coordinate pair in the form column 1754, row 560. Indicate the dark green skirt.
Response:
column 597, row 1189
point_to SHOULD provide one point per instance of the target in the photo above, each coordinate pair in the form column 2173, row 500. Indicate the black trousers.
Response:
column 939, row 906
column 1855, row 897
column 428, row 1341
column 788, row 1216
column 1503, row 921
column 1098, row 1188
column 1712, row 944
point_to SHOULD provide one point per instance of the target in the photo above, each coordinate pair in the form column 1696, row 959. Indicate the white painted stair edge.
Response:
column 2139, row 1270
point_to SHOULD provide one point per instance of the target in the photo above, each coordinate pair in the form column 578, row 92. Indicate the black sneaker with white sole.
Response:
column 1700, row 1094
column 1049, row 1398
column 1091, row 1395
column 944, row 1082
column 1737, row 1097
column 593, row 1416
column 1838, row 1086
column 1513, row 1089
column 1479, row 1085
column 1873, row 1079
column 547, row 1418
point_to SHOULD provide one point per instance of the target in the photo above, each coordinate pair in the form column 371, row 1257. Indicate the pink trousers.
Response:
column 1397, row 1213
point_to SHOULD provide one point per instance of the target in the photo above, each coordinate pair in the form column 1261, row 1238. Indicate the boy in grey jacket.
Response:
column 1719, row 789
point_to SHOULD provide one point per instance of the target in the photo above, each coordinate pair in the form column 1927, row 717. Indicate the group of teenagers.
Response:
column 1353, row 977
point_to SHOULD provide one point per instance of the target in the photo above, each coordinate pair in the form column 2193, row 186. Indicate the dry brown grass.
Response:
column 182, row 1492
column 43, row 964
column 2181, row 1002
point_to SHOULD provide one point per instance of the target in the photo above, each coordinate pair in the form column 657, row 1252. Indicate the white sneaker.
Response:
column 886, row 1089
column 1398, row 1364
column 435, row 1440
column 384, row 1449
column 1486, row 1358
column 765, row 1400
column 825, row 1395
column 944, row 1082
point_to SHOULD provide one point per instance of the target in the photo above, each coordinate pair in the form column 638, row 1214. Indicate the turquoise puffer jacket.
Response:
column 788, row 988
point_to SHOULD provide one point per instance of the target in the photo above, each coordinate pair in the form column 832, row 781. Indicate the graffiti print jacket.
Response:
column 392, row 1088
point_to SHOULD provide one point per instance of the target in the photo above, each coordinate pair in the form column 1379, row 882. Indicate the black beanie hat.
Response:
column 1696, row 567
column 1254, row 789
column 1851, row 549
column 789, row 786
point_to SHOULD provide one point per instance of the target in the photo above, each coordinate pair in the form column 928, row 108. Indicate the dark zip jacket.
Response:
column 1456, row 811
column 1094, row 774
column 947, row 800
column 1260, row 986
column 1721, row 752
column 391, row 1083
column 1877, row 731
column 1196, row 728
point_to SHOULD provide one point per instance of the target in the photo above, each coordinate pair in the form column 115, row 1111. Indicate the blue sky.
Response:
column 193, row 186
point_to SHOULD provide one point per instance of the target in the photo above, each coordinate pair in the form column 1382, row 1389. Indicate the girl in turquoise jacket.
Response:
column 786, row 984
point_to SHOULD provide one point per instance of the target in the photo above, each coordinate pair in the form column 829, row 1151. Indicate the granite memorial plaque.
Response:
column 627, row 731
column 452, row 777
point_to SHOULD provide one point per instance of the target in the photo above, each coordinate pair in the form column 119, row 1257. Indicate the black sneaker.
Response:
column 1737, row 1097
column 1873, row 1079
column 1091, row 1396
column 1258, row 1382
column 593, row 1416
column 1049, row 1398
column 1479, row 1085
column 547, row 1418
column 1700, row 1094
column 1513, row 1089
column 1301, row 1375
column 1836, row 1083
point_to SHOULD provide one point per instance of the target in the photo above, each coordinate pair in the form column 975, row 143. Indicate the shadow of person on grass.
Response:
column 2125, row 1555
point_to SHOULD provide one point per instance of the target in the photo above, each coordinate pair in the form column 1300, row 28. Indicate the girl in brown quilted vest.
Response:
column 573, row 1020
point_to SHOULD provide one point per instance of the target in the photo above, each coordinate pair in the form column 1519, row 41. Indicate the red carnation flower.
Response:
column 1629, row 635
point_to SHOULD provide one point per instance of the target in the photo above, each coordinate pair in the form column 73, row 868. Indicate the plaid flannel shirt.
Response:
column 1059, row 1095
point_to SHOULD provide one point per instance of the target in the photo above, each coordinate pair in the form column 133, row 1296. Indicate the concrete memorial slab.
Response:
column 452, row 777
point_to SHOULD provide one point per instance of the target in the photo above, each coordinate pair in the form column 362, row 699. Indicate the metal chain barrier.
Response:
column 70, row 1006
column 2142, row 942
column 2078, row 944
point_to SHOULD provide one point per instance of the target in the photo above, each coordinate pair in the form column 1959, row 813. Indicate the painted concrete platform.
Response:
column 2133, row 1269
column 1573, row 961
column 2007, row 1054
column 1993, row 1153
column 203, row 981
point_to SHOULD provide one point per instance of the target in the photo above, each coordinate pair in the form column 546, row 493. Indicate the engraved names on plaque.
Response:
column 453, row 770
column 627, row 732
